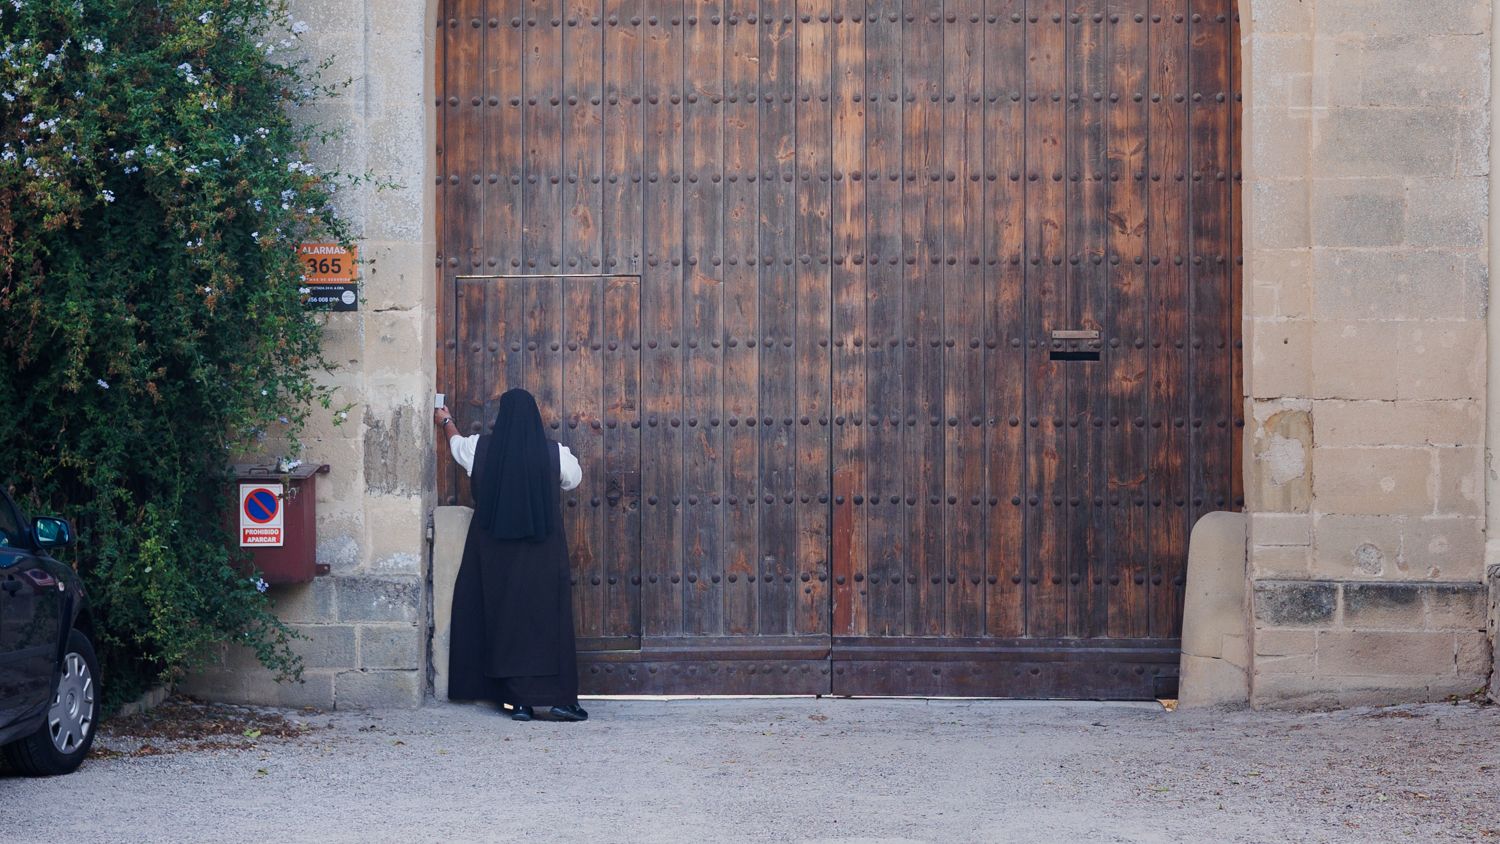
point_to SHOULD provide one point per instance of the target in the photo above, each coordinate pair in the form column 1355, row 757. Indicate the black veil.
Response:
column 516, row 479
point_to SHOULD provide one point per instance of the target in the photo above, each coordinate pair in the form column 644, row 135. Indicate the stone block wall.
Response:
column 1366, row 187
column 365, row 624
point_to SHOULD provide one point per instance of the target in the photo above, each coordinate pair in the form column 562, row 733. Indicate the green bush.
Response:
column 153, row 188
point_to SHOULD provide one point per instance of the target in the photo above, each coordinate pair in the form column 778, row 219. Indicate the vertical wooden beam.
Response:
column 923, row 220
column 622, row 456
column 741, row 315
column 703, row 223
column 851, row 477
column 1007, row 329
column 661, row 319
column 583, row 136
column 583, row 375
column 885, row 364
column 1088, row 544
column 1169, row 296
column 777, row 299
column 1126, row 326
column 811, row 328
column 1047, row 308
column 963, row 164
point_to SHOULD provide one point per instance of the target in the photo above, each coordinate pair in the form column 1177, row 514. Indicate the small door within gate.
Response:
column 899, row 342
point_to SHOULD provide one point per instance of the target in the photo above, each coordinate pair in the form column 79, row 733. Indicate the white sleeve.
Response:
column 572, row 473
column 463, row 451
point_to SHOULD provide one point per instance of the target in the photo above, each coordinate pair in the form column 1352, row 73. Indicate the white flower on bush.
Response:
column 103, row 385
column 187, row 73
column 260, row 584
column 94, row 45
column 205, row 17
column 107, row 195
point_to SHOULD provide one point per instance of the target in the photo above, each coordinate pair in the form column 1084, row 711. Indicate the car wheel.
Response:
column 65, row 738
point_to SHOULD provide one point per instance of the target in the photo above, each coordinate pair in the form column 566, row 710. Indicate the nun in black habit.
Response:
column 511, row 638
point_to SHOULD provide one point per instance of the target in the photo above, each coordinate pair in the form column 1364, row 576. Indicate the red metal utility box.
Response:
column 277, row 520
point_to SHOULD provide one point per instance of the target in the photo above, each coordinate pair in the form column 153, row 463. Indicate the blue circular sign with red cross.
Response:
column 261, row 506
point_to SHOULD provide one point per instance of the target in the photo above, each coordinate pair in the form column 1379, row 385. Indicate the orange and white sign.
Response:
column 330, row 275
column 261, row 515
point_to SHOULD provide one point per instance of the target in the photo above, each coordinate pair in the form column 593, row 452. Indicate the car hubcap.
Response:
column 72, row 714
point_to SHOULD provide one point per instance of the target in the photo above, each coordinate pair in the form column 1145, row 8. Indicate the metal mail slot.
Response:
column 1075, row 334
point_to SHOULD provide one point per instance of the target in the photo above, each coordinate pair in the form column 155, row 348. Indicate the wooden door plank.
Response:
column 810, row 329
column 1047, row 608
column 1087, row 462
column 624, row 134
column 703, row 222
column 463, row 148
column 885, row 495
column 963, row 163
column 622, row 456
column 622, row 231
column 1127, row 325
column 777, row 243
column 849, row 540
column 1237, row 271
column 505, row 169
column 661, row 320
column 545, row 321
column 962, row 314
column 583, row 374
column 504, row 147
column 542, row 80
column 446, row 345
column 741, row 310
column 1169, row 294
column 1006, row 328
column 923, row 220
column 470, row 385
column 583, row 136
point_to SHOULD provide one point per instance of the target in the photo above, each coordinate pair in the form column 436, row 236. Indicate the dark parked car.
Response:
column 49, row 688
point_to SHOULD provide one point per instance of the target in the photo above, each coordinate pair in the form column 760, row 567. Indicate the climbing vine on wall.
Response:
column 154, row 182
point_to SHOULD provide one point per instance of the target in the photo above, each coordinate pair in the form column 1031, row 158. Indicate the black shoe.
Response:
column 571, row 712
column 522, row 713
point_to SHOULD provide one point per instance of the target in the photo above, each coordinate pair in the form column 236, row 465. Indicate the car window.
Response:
column 11, row 533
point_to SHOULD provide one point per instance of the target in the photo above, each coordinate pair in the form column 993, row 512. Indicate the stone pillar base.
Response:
column 1215, row 626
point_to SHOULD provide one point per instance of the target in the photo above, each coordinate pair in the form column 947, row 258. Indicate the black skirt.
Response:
column 511, row 635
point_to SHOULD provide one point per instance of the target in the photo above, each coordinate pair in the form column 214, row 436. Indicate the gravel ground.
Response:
column 782, row 770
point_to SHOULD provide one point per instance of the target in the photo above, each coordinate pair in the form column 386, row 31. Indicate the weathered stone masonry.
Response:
column 1366, row 150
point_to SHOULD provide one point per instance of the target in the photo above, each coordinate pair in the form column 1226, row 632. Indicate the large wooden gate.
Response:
column 899, row 340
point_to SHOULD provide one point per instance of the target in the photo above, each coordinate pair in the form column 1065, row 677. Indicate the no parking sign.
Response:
column 260, row 515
